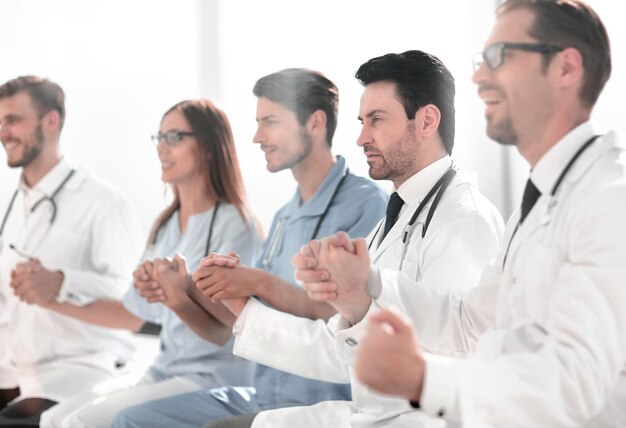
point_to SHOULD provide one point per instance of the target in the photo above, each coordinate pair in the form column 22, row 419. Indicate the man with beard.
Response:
column 407, row 112
column 546, row 325
column 64, row 237
column 297, row 117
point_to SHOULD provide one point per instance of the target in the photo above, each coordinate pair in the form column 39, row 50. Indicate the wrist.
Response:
column 358, row 308
column 57, row 282
column 415, row 393
column 180, row 303
column 264, row 283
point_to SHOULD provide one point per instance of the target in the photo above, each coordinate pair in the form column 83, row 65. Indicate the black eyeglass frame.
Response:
column 496, row 59
column 172, row 138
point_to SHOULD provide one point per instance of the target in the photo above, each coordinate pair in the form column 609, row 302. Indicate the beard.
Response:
column 31, row 151
column 502, row 132
column 397, row 163
column 304, row 150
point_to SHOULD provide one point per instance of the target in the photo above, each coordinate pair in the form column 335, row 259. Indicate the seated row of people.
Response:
column 306, row 304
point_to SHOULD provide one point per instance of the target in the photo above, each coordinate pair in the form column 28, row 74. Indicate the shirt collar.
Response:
column 317, row 204
column 551, row 165
column 49, row 182
column 416, row 187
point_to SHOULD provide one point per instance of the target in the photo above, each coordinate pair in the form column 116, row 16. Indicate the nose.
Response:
column 4, row 132
column 364, row 137
column 480, row 74
column 259, row 136
column 161, row 146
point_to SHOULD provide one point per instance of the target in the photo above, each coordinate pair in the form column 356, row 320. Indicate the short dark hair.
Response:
column 45, row 94
column 572, row 23
column 420, row 79
column 303, row 92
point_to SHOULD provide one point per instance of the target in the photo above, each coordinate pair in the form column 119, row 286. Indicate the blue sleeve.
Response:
column 237, row 236
column 368, row 214
column 138, row 306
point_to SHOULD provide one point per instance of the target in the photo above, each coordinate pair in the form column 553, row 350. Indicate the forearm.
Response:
column 285, row 297
column 217, row 311
column 203, row 323
column 104, row 313
column 82, row 287
column 293, row 344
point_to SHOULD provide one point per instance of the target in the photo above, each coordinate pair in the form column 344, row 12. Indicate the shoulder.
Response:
column 229, row 217
column 361, row 188
column 465, row 202
column 94, row 190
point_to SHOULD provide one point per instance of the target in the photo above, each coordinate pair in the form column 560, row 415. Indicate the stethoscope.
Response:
column 437, row 191
column 208, row 240
column 280, row 224
column 49, row 199
column 546, row 217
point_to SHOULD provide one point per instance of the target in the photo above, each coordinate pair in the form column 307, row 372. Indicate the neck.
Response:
column 537, row 143
column 41, row 165
column 194, row 198
column 422, row 160
column 311, row 172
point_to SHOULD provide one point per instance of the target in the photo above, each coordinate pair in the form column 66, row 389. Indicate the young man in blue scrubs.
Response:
column 297, row 117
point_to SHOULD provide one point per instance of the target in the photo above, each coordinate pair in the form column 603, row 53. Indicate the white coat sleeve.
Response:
column 560, row 370
column 112, row 257
column 447, row 322
column 296, row 345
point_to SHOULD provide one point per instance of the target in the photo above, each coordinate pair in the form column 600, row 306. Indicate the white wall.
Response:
column 123, row 63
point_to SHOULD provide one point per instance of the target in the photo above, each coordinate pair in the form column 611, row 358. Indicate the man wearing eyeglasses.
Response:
column 64, row 237
column 546, row 327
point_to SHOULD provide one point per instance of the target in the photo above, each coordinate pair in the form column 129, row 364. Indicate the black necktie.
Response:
column 531, row 194
column 393, row 209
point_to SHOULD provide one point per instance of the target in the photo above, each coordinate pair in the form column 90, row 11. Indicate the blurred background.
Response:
column 123, row 63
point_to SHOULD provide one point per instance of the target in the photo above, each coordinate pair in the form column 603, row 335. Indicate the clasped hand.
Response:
column 335, row 270
column 163, row 280
column 222, row 278
column 34, row 284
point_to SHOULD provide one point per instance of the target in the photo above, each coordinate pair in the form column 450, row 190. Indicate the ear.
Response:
column 51, row 122
column 570, row 68
column 427, row 120
column 316, row 124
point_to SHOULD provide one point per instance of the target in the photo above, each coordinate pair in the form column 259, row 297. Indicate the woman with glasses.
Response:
column 208, row 214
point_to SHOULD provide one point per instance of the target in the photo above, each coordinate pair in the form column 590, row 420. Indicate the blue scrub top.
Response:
column 183, row 353
column 356, row 208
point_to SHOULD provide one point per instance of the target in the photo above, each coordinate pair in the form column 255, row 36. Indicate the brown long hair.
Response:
column 218, row 159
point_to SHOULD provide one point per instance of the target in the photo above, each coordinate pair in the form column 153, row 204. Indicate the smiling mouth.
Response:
column 267, row 149
column 492, row 101
column 11, row 145
column 166, row 165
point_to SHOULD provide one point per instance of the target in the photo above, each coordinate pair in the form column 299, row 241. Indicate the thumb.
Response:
column 341, row 239
column 360, row 248
column 179, row 263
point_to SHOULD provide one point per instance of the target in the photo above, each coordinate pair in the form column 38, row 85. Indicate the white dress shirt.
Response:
column 462, row 238
column 94, row 242
column 548, row 330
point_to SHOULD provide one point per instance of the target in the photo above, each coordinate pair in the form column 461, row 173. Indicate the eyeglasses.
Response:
column 493, row 56
column 172, row 138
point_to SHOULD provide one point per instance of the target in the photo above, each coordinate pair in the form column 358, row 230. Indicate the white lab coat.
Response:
column 553, row 352
column 462, row 238
column 94, row 241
